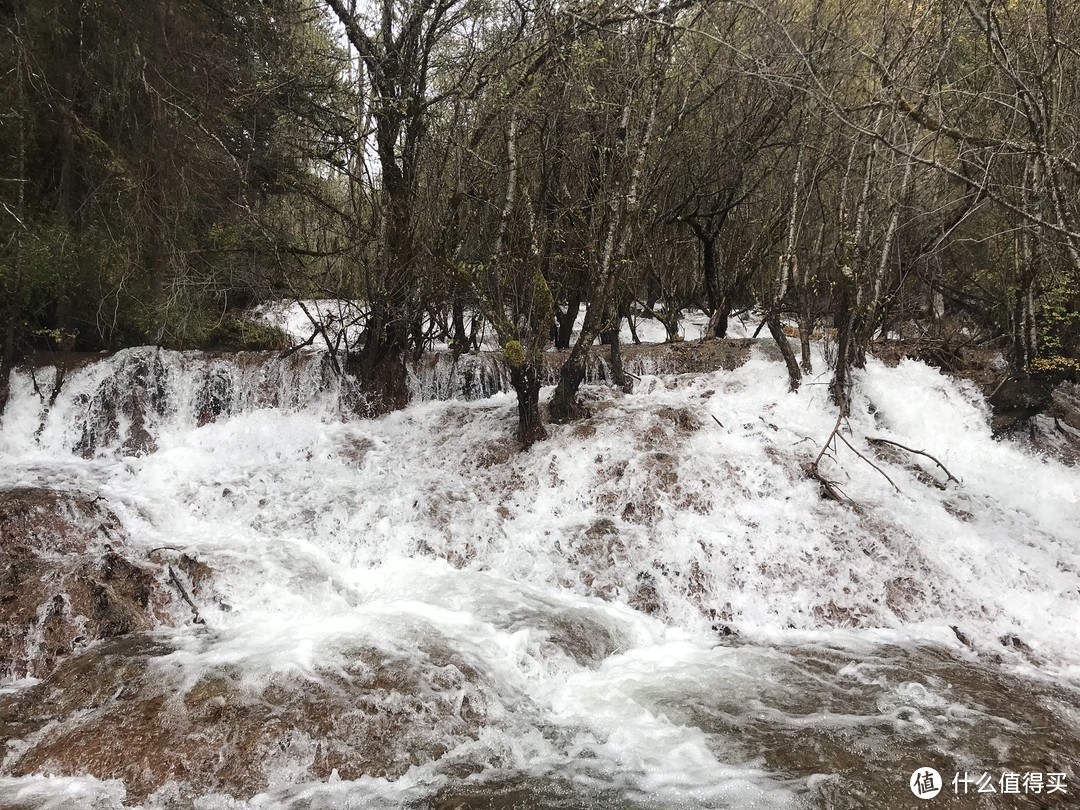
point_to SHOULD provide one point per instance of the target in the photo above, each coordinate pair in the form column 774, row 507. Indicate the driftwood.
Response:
column 831, row 490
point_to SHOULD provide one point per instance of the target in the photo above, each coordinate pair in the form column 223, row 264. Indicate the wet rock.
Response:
column 214, row 398
column 961, row 636
column 1065, row 405
column 67, row 579
column 1056, row 432
column 199, row 574
column 127, row 403
column 721, row 628
column 1017, row 401
column 585, row 636
column 127, row 710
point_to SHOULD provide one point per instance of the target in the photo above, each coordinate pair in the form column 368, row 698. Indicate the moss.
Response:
column 237, row 333
column 514, row 353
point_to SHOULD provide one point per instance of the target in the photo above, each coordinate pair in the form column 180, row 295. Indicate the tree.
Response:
column 152, row 140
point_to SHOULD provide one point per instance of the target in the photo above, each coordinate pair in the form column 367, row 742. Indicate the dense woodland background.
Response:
column 860, row 168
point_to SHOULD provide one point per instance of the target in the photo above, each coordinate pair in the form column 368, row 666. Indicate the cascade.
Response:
column 654, row 608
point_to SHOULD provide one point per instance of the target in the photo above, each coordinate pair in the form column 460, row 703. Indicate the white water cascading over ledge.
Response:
column 122, row 402
column 652, row 609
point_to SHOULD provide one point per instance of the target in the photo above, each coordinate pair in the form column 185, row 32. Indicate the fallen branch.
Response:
column 37, row 389
column 320, row 329
column 829, row 489
column 294, row 349
column 917, row 452
column 1001, row 384
column 868, row 461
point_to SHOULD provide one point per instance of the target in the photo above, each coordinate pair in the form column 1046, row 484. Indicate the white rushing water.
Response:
column 655, row 607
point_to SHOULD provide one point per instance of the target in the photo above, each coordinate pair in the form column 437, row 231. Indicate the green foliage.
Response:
column 1059, row 323
column 57, row 338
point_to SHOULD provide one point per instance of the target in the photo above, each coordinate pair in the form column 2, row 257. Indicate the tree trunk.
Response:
column 379, row 367
column 567, row 319
column 777, row 332
column 610, row 338
column 14, row 286
column 459, row 336
column 605, row 296
column 526, row 383
column 872, row 312
column 717, row 300
column 806, row 329
column 7, row 362
column 572, row 373
column 839, row 386
column 788, row 272
column 632, row 325
column 718, row 320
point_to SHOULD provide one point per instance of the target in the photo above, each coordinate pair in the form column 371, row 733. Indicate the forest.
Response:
column 860, row 170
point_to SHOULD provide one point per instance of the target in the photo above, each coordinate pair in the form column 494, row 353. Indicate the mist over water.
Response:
column 655, row 608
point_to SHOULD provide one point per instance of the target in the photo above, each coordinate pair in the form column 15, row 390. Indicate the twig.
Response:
column 320, row 329
column 917, row 452
column 824, row 447
column 1004, row 380
column 868, row 461
column 37, row 390
column 58, row 381
column 294, row 349
column 829, row 489
column 716, row 420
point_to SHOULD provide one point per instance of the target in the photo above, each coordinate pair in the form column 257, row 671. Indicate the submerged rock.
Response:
column 128, row 709
column 68, row 577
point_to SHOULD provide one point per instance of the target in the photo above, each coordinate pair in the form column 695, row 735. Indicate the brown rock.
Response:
column 121, row 710
column 67, row 578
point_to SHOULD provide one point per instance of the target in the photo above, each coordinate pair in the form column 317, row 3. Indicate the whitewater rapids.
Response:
column 660, row 608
